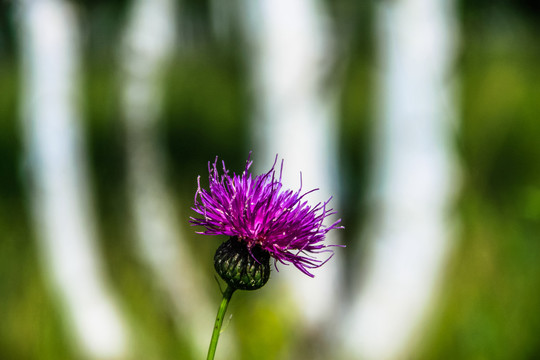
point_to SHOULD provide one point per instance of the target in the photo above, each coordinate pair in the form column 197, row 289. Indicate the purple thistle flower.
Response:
column 260, row 212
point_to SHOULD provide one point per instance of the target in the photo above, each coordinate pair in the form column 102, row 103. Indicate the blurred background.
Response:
column 109, row 110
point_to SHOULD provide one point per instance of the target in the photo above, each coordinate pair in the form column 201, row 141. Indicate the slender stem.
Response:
column 219, row 320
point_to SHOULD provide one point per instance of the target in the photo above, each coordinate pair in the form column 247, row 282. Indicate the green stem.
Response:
column 219, row 321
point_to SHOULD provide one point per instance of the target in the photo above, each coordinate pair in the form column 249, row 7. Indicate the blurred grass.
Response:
column 489, row 302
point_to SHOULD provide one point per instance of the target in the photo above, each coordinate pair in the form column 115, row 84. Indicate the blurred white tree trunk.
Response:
column 147, row 48
column 291, row 55
column 415, row 177
column 60, row 196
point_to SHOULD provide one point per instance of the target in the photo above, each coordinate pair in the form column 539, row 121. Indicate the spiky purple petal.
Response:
column 260, row 211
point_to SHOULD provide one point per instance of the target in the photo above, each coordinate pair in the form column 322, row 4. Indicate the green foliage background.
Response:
column 489, row 301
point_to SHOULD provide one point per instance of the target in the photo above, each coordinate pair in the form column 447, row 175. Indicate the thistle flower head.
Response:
column 261, row 213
